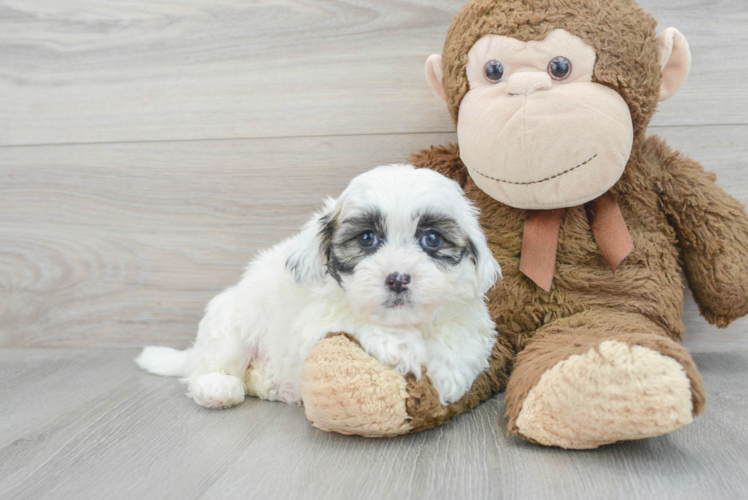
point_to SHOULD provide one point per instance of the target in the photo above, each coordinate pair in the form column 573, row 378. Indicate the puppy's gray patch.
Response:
column 456, row 244
column 344, row 251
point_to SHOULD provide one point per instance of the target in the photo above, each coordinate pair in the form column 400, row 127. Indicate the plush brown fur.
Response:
column 680, row 221
column 674, row 212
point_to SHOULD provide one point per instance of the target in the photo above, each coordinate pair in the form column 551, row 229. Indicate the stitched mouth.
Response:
column 554, row 176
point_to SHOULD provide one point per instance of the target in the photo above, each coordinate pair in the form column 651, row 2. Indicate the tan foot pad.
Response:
column 612, row 393
column 347, row 391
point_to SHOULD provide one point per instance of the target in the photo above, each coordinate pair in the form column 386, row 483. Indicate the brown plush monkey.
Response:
column 591, row 220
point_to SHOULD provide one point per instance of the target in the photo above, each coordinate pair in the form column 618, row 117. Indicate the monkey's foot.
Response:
column 613, row 392
column 347, row 391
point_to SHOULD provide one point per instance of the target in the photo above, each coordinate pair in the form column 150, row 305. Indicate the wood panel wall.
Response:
column 148, row 149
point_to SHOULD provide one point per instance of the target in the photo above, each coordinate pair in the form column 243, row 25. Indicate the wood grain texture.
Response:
column 89, row 424
column 84, row 71
column 108, row 245
column 122, row 245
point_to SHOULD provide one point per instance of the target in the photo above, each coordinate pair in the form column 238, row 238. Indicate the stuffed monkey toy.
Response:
column 591, row 220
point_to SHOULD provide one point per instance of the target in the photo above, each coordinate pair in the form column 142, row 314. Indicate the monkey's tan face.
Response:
column 534, row 131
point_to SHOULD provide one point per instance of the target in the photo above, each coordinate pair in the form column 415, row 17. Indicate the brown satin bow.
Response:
column 540, row 238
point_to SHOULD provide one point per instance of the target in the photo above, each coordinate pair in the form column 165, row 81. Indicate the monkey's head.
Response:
column 549, row 96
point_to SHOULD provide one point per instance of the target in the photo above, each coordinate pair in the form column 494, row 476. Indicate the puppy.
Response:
column 399, row 261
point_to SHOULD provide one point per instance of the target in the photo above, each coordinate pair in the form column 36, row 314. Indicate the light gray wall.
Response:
column 148, row 149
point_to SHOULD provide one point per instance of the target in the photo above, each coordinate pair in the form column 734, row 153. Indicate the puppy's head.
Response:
column 401, row 242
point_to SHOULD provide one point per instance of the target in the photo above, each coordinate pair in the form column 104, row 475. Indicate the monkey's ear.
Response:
column 675, row 60
column 434, row 75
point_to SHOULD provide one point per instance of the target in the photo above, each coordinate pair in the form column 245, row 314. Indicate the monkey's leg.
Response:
column 347, row 391
column 599, row 377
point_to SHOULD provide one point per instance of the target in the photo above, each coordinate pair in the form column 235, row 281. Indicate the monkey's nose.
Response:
column 526, row 82
column 398, row 282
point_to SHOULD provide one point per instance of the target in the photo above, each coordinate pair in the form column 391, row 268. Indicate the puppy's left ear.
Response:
column 486, row 267
column 309, row 252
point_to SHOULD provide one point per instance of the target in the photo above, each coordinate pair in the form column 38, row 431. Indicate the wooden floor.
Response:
column 85, row 424
column 149, row 149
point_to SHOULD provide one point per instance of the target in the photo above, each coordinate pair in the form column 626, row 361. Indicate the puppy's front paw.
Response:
column 411, row 357
column 216, row 390
column 449, row 382
column 401, row 349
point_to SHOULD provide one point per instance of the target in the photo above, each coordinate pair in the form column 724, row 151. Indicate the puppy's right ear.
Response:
column 310, row 249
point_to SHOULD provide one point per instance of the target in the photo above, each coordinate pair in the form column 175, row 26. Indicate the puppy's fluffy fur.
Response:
column 398, row 260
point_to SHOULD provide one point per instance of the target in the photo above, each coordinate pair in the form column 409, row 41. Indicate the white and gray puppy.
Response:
column 399, row 261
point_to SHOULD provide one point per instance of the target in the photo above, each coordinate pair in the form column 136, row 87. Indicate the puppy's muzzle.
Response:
column 398, row 282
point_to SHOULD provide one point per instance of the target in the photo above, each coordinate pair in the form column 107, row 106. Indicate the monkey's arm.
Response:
column 712, row 230
column 444, row 159
column 347, row 391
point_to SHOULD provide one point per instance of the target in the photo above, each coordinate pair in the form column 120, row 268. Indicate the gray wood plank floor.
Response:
column 87, row 424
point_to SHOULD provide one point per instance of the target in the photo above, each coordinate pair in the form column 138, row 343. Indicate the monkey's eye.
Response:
column 431, row 240
column 368, row 239
column 559, row 68
column 494, row 71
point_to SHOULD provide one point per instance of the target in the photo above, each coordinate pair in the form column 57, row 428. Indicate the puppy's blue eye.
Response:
column 431, row 240
column 368, row 239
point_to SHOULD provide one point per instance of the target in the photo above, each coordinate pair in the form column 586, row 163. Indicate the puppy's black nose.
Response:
column 398, row 282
